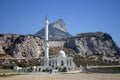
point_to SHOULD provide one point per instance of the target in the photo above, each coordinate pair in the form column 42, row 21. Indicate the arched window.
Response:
column 56, row 62
column 49, row 63
column 70, row 63
column 62, row 63
column 67, row 62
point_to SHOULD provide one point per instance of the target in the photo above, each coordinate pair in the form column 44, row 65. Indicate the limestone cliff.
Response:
column 59, row 24
column 56, row 30
column 98, row 48
column 93, row 44
column 19, row 46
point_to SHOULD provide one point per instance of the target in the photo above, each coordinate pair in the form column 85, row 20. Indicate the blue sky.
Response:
column 27, row 16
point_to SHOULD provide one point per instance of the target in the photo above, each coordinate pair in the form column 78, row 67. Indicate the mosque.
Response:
column 59, row 62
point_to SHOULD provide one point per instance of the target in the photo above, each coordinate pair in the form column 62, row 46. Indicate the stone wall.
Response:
column 56, row 44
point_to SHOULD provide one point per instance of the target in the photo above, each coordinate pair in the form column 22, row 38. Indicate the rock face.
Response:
column 59, row 24
column 98, row 45
column 20, row 46
column 57, row 30
column 93, row 44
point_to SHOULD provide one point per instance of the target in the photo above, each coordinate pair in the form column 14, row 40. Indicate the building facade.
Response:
column 60, row 62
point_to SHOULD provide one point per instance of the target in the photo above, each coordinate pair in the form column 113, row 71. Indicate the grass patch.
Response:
column 6, row 71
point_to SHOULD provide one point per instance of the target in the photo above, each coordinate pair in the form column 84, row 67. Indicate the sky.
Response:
column 80, row 16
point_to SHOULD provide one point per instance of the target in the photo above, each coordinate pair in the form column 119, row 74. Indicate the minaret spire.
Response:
column 46, row 16
column 46, row 38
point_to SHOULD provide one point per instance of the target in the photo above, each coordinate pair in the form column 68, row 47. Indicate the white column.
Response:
column 46, row 39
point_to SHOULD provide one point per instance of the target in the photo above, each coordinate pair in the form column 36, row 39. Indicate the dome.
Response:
column 62, row 53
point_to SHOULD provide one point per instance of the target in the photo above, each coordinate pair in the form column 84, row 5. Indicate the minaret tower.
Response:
column 46, row 39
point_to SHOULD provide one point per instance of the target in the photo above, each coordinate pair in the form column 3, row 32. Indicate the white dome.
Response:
column 62, row 53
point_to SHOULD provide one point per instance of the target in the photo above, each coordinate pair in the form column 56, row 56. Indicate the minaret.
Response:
column 46, row 39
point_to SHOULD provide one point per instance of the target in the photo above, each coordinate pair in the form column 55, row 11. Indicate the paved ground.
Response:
column 76, row 76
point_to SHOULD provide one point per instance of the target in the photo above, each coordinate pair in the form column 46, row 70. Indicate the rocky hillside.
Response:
column 86, row 48
column 98, row 48
column 93, row 44
column 20, row 46
column 57, row 30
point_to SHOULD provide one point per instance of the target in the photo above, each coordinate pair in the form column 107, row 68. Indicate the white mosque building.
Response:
column 59, row 62
column 55, row 63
